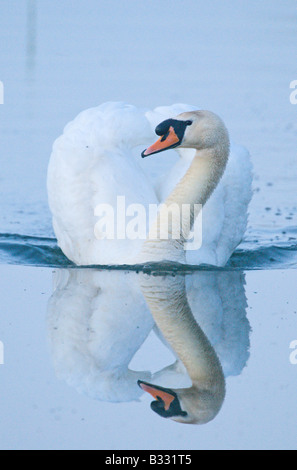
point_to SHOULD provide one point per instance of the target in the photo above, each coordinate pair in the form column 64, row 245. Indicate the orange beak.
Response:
column 171, row 140
column 158, row 393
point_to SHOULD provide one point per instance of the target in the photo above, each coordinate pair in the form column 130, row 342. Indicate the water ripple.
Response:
column 251, row 255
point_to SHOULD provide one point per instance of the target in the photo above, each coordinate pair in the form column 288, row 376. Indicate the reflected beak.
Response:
column 159, row 393
column 167, row 141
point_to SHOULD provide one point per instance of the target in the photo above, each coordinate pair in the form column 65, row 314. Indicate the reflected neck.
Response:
column 167, row 300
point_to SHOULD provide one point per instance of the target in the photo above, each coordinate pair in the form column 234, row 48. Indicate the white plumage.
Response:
column 95, row 161
column 98, row 320
column 91, row 164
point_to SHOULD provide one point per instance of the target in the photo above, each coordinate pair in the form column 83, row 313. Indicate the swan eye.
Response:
column 188, row 123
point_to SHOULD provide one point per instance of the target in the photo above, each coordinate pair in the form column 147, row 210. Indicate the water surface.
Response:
column 60, row 389
column 71, row 336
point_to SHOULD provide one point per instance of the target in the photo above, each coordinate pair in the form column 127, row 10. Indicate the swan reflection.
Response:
column 98, row 320
column 179, row 314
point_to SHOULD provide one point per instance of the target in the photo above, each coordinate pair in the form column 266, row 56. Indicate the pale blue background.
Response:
column 236, row 58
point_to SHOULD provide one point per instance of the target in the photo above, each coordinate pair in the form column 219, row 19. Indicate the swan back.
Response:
column 92, row 163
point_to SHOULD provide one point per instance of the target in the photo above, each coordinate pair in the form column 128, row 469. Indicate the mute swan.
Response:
column 98, row 320
column 92, row 163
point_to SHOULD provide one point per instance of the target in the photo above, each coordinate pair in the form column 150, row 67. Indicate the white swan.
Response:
column 94, row 161
column 98, row 320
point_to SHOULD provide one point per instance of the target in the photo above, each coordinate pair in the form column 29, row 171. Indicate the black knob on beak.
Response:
column 163, row 127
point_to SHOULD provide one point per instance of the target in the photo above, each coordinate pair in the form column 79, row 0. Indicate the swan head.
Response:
column 187, row 405
column 195, row 129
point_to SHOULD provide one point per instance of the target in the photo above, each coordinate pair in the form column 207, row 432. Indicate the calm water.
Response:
column 72, row 359
column 65, row 350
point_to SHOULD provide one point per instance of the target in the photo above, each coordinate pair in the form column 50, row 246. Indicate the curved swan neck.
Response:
column 169, row 306
column 201, row 178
